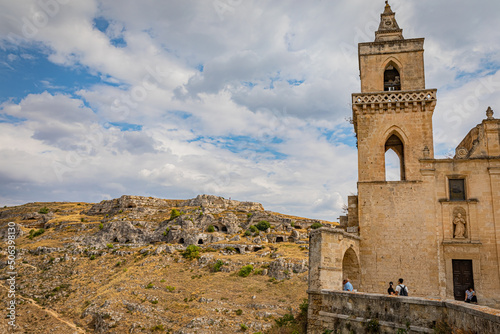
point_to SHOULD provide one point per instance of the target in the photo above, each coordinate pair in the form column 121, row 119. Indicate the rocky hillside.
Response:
column 146, row 265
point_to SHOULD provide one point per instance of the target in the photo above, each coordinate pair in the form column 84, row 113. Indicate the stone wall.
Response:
column 333, row 256
column 344, row 312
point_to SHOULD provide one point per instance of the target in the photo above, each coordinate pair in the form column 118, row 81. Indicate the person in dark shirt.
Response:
column 391, row 289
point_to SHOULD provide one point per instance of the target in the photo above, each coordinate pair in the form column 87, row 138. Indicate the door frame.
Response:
column 461, row 252
column 456, row 261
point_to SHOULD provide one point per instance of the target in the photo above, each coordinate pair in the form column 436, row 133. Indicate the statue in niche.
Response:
column 459, row 223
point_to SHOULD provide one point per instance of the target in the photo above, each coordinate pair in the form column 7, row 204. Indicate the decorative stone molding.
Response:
column 461, row 152
column 395, row 96
column 423, row 100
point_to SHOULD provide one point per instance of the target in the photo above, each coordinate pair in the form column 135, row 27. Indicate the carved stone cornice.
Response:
column 423, row 100
column 393, row 99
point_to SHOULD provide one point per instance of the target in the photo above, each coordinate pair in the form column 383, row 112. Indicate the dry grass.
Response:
column 116, row 285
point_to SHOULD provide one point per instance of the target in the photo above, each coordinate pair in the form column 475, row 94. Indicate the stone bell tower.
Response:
column 394, row 110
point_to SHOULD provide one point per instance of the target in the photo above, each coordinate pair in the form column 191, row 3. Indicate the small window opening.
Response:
column 392, row 79
column 394, row 159
column 457, row 189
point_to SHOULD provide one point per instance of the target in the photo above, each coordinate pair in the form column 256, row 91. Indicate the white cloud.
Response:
column 245, row 101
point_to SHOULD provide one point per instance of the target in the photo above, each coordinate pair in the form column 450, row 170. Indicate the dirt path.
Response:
column 54, row 314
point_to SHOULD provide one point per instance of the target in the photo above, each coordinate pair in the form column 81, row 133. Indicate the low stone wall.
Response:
column 347, row 312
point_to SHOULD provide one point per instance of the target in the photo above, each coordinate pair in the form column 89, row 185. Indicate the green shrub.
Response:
column 158, row 328
column 44, row 210
column 149, row 286
column 109, row 246
column 82, row 220
column 316, row 225
column 285, row 320
column 101, row 226
column 170, row 288
column 154, row 301
column 247, row 233
column 92, row 257
column 231, row 249
column 174, row 214
column 258, row 272
column 211, row 229
column 35, row 233
column 245, row 270
column 254, row 229
column 373, row 326
column 243, row 327
column 304, row 307
column 191, row 252
column 263, row 225
column 217, row 266
column 295, row 325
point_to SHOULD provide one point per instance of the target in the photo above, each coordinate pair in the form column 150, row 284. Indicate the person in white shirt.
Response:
column 401, row 289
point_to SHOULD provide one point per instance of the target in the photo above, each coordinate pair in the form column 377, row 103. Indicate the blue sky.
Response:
column 248, row 100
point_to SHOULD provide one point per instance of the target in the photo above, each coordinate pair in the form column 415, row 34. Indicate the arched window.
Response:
column 392, row 80
column 394, row 159
column 350, row 267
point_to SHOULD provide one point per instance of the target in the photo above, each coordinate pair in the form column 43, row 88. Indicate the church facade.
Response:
column 438, row 225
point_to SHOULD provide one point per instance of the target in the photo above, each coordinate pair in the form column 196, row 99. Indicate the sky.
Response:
column 249, row 100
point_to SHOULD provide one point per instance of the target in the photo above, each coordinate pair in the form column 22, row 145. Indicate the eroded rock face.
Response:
column 281, row 268
column 4, row 231
column 216, row 204
column 140, row 204
column 202, row 220
column 121, row 232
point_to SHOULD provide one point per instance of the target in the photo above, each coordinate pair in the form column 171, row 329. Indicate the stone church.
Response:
column 438, row 226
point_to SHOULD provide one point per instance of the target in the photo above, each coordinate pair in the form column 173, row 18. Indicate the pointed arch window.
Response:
column 392, row 79
column 394, row 159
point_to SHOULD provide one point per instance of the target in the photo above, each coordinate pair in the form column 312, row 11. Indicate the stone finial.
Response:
column 387, row 9
column 426, row 152
column 489, row 113
column 388, row 29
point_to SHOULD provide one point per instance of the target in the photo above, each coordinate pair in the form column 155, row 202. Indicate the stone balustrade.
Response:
column 343, row 312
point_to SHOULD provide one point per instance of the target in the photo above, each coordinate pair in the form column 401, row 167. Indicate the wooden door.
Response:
column 462, row 278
